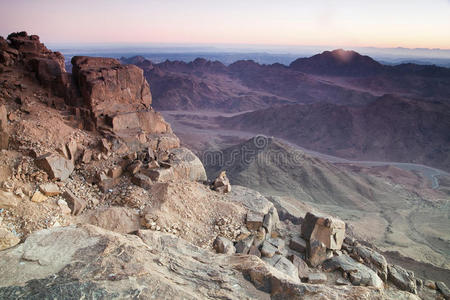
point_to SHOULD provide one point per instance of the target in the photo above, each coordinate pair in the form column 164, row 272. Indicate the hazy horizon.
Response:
column 347, row 24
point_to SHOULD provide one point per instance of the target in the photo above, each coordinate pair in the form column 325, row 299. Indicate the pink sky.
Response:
column 381, row 23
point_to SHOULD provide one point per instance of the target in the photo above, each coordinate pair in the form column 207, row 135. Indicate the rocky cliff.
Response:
column 98, row 200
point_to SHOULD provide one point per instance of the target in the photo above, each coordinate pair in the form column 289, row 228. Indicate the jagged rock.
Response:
column 222, row 183
column 38, row 197
column 270, row 220
column 402, row 278
column 116, row 95
column 7, row 239
column 73, row 150
column 445, row 291
column 328, row 230
column 317, row 278
column 223, row 245
column 303, row 269
column 187, row 165
column 373, row 260
column 75, row 204
column 8, row 200
column 359, row 274
column 118, row 219
column 49, row 189
column 317, row 253
column 56, row 166
column 286, row 266
column 47, row 65
column 254, row 220
column 243, row 246
column 141, row 180
column 298, row 244
column 135, row 167
column 115, row 172
column 268, row 250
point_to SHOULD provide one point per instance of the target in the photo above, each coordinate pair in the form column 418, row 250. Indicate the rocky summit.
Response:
column 98, row 200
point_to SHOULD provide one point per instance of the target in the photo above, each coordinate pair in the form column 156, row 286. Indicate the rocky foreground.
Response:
column 98, row 200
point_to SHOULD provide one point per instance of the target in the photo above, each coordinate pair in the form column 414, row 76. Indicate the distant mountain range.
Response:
column 339, row 77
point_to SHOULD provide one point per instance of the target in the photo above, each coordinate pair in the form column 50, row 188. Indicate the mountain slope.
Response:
column 387, row 211
column 389, row 129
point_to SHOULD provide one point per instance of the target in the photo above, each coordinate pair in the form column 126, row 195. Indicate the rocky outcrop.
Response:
column 358, row 273
column 322, row 233
column 48, row 66
column 402, row 278
column 88, row 262
column 115, row 95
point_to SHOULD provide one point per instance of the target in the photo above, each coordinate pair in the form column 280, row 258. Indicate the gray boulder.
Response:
column 358, row 273
column 403, row 279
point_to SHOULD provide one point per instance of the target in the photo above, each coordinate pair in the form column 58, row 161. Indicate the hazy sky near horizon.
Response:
column 346, row 23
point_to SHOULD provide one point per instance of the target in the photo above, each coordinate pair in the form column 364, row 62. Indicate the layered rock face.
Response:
column 48, row 65
column 116, row 95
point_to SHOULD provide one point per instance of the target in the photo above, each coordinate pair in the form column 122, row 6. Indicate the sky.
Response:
column 345, row 23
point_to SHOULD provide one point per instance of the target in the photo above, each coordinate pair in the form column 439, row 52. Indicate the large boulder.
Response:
column 328, row 230
column 372, row 259
column 187, row 165
column 56, row 166
column 358, row 274
column 402, row 279
column 87, row 262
